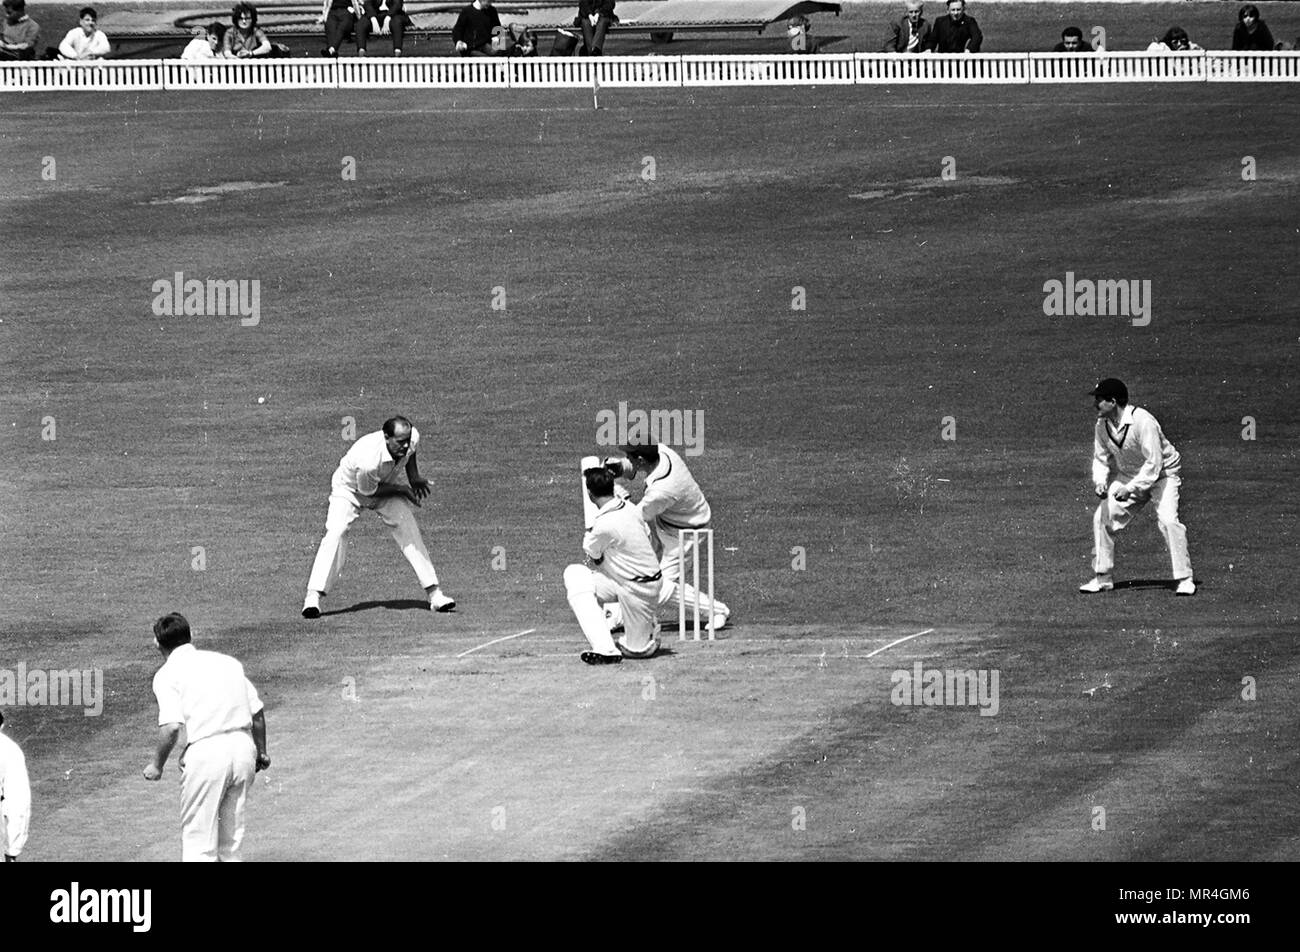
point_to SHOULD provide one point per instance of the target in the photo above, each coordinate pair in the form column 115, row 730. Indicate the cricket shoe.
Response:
column 614, row 617
column 1185, row 586
column 311, row 605
column 439, row 602
column 595, row 657
column 719, row 620
column 1098, row 583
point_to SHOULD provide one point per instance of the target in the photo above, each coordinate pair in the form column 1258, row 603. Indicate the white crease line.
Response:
column 496, row 641
column 823, row 655
column 899, row 642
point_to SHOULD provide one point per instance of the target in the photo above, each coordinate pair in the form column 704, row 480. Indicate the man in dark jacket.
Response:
column 595, row 17
column 472, row 33
column 956, row 33
column 911, row 34
column 1072, row 42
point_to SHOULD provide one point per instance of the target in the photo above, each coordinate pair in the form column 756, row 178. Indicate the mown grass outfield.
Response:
column 822, row 434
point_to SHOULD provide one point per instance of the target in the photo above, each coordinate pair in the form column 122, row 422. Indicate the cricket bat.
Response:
column 588, row 507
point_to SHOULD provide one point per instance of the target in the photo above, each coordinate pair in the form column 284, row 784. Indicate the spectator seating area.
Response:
column 296, row 24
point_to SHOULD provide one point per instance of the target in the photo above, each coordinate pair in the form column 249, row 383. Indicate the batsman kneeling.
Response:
column 626, row 572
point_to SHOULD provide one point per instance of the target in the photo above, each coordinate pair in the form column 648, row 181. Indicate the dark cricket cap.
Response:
column 1111, row 389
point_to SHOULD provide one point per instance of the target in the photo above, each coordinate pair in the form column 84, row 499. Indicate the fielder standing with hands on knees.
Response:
column 1133, row 463
column 366, row 478
column 206, row 694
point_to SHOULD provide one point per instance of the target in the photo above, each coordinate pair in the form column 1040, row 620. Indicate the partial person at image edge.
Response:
column 15, row 797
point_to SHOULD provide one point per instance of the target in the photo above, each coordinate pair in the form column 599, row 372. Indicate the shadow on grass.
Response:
column 394, row 604
column 1166, row 583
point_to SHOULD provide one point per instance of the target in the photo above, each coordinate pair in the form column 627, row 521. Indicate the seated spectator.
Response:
column 1072, row 42
column 799, row 30
column 244, row 39
column 594, row 19
column 1175, row 40
column 956, row 33
column 383, row 17
column 1251, row 33
column 19, row 34
column 525, row 41
column 911, row 34
column 340, row 19
column 514, row 39
column 472, row 34
column 85, row 41
column 207, row 46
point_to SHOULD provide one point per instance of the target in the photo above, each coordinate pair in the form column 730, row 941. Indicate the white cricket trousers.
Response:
column 397, row 513
column 670, row 565
column 216, row 774
column 1112, row 516
column 588, row 591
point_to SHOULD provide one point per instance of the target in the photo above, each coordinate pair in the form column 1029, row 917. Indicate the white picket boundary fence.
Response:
column 650, row 71
column 891, row 68
column 102, row 74
column 425, row 73
column 778, row 70
column 1119, row 67
column 545, row 72
column 250, row 74
column 1253, row 68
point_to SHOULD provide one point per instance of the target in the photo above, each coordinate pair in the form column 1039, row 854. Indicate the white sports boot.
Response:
column 311, row 605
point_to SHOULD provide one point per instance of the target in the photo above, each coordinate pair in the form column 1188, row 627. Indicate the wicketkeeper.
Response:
column 672, row 501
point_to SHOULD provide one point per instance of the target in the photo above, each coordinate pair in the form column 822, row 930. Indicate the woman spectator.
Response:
column 208, row 46
column 245, row 39
column 1175, row 40
column 1251, row 32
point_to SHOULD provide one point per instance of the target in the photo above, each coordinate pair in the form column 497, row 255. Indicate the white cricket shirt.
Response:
column 1137, row 449
column 672, row 496
column 206, row 691
column 619, row 540
column 367, row 464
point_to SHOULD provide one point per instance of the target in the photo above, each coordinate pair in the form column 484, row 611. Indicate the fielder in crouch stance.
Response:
column 367, row 479
column 672, row 501
column 626, row 574
column 1132, row 463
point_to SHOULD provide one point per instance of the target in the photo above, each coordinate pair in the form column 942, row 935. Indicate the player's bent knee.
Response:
column 578, row 580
